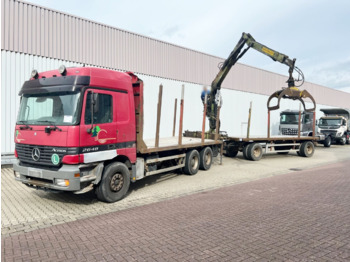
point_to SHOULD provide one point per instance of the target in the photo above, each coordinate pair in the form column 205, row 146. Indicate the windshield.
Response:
column 329, row 122
column 49, row 109
column 289, row 119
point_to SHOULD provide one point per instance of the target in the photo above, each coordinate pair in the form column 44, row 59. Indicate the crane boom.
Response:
column 247, row 40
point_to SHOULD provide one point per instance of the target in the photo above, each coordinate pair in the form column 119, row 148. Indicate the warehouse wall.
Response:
column 32, row 29
column 16, row 69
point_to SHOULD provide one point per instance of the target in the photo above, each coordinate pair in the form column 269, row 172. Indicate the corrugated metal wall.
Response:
column 16, row 69
column 31, row 29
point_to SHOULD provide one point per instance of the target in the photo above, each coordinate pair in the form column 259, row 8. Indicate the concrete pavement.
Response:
column 25, row 209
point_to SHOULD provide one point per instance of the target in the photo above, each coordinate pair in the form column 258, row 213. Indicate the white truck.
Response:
column 335, row 124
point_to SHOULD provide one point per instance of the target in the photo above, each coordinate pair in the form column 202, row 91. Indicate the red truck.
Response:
column 81, row 129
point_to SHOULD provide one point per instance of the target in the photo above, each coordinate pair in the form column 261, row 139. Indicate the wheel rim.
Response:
column 257, row 152
column 117, row 182
column 194, row 162
column 309, row 149
column 207, row 158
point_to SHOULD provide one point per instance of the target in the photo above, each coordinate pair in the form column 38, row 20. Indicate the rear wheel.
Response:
column 192, row 162
column 245, row 152
column 205, row 158
column 255, row 152
column 327, row 142
column 231, row 151
column 114, row 184
column 307, row 149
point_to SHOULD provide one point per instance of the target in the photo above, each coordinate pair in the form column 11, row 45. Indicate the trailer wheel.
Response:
column 205, row 158
column 114, row 184
column 327, row 142
column 255, row 151
column 342, row 140
column 231, row 151
column 307, row 149
column 192, row 162
column 245, row 152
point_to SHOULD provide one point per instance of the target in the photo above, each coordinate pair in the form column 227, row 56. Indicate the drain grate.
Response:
column 295, row 169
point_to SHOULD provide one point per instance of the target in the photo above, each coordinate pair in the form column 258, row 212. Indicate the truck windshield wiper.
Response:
column 26, row 125
column 48, row 129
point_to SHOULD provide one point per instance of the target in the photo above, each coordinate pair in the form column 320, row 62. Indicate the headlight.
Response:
column 62, row 182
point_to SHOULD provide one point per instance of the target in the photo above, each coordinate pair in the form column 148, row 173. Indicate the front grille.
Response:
column 25, row 154
column 331, row 132
column 289, row 131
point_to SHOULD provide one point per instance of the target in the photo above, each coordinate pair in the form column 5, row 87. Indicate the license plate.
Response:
column 35, row 172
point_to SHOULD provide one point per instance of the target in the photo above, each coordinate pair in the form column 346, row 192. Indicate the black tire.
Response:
column 215, row 150
column 342, row 141
column 114, row 184
column 231, row 151
column 327, row 142
column 245, row 152
column 298, row 153
column 205, row 158
column 307, row 149
column 255, row 151
column 348, row 140
column 192, row 162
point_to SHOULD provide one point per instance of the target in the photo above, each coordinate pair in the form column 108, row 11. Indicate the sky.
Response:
column 315, row 32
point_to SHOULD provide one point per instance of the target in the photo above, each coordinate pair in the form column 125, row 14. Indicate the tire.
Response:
column 205, row 158
column 342, row 141
column 245, row 152
column 348, row 140
column 192, row 162
column 114, row 184
column 215, row 150
column 255, row 151
column 307, row 149
column 327, row 142
column 231, row 151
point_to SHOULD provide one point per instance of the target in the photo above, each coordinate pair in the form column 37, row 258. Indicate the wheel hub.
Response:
column 194, row 162
column 117, row 182
column 257, row 152
column 207, row 158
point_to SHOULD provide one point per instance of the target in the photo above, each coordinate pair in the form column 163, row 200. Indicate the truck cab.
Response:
column 289, row 123
column 335, row 124
column 70, row 120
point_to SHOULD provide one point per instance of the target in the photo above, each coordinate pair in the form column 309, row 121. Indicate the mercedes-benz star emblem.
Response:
column 36, row 154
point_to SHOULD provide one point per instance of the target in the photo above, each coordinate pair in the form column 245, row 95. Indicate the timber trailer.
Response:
column 254, row 147
column 81, row 129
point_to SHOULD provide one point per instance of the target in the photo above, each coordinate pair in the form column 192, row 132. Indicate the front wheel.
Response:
column 255, row 151
column 327, row 142
column 114, row 184
column 342, row 140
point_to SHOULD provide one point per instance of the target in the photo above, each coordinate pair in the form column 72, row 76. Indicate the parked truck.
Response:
column 289, row 126
column 81, row 129
column 335, row 124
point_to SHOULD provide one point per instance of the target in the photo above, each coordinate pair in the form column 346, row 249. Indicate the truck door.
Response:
column 98, row 140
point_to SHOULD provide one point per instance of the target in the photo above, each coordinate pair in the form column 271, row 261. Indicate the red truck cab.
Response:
column 54, row 132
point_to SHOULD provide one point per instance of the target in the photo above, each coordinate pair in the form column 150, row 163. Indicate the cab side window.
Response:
column 102, row 110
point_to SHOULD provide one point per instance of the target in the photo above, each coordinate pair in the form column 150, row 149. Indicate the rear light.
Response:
column 16, row 155
column 73, row 159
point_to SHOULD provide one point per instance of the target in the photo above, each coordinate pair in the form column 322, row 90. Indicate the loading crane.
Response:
column 290, row 92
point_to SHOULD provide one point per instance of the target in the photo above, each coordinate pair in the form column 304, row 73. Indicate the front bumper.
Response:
column 46, row 179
